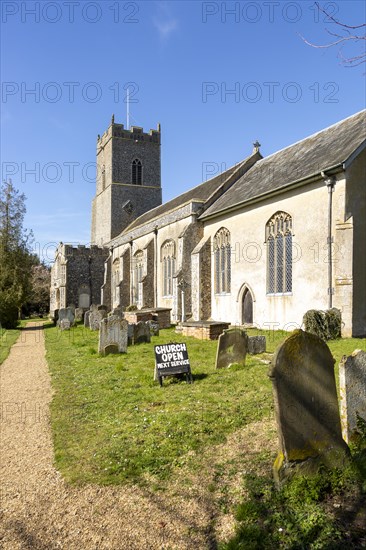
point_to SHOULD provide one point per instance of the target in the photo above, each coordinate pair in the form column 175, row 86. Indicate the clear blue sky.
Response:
column 182, row 59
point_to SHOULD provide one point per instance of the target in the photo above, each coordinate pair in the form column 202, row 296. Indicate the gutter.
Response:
column 330, row 182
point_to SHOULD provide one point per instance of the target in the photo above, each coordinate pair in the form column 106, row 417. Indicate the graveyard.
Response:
column 215, row 439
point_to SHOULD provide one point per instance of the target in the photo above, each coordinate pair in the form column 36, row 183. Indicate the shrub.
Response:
column 324, row 324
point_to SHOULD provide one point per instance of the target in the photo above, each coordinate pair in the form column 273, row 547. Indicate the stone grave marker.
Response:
column 66, row 313
column 113, row 335
column 79, row 314
column 352, row 387
column 65, row 324
column 154, row 328
column 306, row 406
column 141, row 332
column 232, row 348
column 96, row 316
column 87, row 319
column 256, row 344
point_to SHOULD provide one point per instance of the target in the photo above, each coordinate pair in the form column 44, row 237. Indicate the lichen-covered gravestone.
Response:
column 66, row 313
column 154, row 327
column 79, row 314
column 352, row 388
column 141, row 332
column 96, row 316
column 113, row 335
column 256, row 344
column 231, row 348
column 65, row 324
column 305, row 396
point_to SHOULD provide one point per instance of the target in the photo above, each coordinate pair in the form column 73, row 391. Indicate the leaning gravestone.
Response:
column 256, row 344
column 232, row 347
column 306, row 407
column 66, row 313
column 96, row 316
column 352, row 388
column 141, row 332
column 113, row 335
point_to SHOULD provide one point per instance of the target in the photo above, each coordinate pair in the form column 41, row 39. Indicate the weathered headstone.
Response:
column 117, row 311
column 113, row 336
column 72, row 307
column 87, row 319
column 352, row 388
column 130, row 333
column 141, row 333
column 66, row 313
column 64, row 324
column 232, row 348
column 95, row 317
column 306, row 406
column 256, row 344
column 79, row 314
column 154, row 327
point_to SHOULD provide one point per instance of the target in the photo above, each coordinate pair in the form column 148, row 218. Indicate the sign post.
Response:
column 172, row 359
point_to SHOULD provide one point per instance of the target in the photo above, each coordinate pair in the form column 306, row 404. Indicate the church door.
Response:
column 247, row 307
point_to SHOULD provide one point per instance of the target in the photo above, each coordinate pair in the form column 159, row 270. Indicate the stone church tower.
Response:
column 128, row 179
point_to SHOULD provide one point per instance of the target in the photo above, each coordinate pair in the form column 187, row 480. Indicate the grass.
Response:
column 112, row 424
column 7, row 339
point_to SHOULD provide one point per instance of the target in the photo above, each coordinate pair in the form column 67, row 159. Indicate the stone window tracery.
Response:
column 136, row 172
column 279, row 253
column 222, row 257
column 168, row 260
column 138, row 272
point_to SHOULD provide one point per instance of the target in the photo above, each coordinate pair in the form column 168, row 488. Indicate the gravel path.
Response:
column 38, row 510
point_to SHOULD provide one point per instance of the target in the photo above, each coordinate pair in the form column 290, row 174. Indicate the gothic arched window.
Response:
column 222, row 254
column 136, row 172
column 168, row 259
column 116, row 281
column 279, row 253
column 138, row 271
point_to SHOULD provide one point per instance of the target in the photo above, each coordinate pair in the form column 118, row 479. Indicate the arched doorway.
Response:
column 247, row 307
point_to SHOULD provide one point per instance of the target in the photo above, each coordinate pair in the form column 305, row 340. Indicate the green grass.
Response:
column 7, row 339
column 112, row 422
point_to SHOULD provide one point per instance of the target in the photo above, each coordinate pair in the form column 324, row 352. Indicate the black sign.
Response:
column 172, row 359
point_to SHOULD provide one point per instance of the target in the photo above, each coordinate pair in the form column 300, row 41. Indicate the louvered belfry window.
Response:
column 136, row 172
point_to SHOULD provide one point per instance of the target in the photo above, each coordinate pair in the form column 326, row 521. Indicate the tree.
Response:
column 16, row 259
column 39, row 299
column 344, row 34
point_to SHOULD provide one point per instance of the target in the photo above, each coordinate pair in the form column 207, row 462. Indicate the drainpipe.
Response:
column 330, row 182
column 156, row 267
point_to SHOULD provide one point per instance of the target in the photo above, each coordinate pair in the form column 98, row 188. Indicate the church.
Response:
column 258, row 245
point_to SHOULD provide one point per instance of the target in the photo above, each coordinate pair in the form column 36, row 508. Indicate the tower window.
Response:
column 136, row 172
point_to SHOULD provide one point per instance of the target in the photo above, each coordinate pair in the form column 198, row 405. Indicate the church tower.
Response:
column 128, row 179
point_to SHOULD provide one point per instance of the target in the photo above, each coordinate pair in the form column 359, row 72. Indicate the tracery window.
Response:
column 136, row 172
column 168, row 260
column 279, row 253
column 222, row 256
column 116, row 281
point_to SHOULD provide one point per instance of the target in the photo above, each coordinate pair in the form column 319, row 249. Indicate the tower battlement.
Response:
column 134, row 133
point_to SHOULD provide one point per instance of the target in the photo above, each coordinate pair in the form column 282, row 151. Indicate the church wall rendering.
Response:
column 260, row 244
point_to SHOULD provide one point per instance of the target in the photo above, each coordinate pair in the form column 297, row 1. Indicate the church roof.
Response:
column 322, row 151
column 200, row 193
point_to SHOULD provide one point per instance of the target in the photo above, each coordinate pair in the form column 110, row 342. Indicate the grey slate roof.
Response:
column 200, row 193
column 326, row 149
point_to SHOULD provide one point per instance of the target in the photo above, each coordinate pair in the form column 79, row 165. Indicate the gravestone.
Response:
column 96, row 316
column 65, row 324
column 232, row 348
column 130, row 333
column 66, row 313
column 306, row 406
column 154, row 327
column 141, row 332
column 113, row 335
column 117, row 311
column 72, row 307
column 87, row 319
column 79, row 314
column 256, row 344
column 352, row 388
